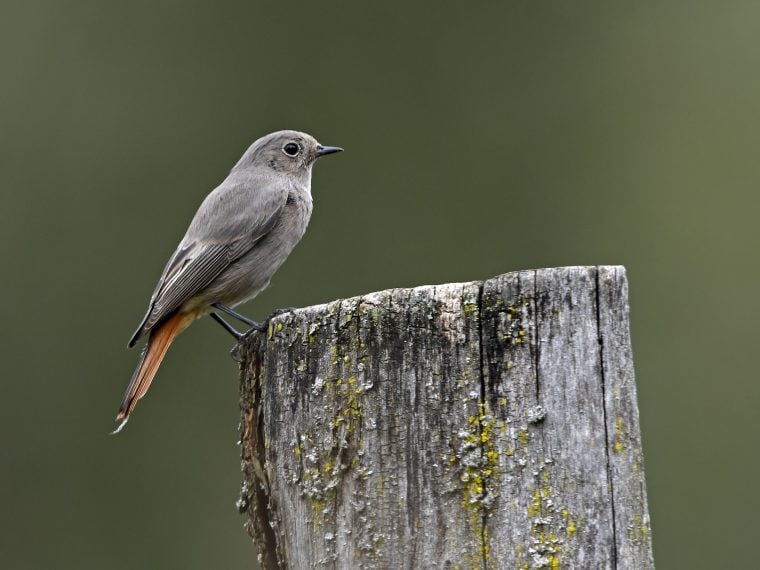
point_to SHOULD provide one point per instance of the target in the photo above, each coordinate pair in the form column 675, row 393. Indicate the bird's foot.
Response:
column 255, row 327
column 241, row 338
column 278, row 312
column 235, row 354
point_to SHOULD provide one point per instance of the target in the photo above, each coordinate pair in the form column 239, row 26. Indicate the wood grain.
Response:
column 472, row 425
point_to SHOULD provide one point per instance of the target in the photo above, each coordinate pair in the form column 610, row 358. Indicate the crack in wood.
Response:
column 476, row 425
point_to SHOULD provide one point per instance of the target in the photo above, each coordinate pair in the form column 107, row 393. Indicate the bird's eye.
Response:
column 291, row 149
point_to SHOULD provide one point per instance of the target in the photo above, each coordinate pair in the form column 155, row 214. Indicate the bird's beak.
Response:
column 323, row 150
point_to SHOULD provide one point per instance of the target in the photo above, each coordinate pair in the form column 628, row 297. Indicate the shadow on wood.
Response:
column 471, row 425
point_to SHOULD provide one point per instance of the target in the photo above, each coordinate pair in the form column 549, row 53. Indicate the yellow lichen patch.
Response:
column 571, row 528
column 638, row 531
column 534, row 508
column 323, row 461
column 478, row 460
column 316, row 513
column 349, row 412
column 546, row 540
column 486, row 549
column 512, row 331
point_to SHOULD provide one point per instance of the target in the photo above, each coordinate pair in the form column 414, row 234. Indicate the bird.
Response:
column 240, row 236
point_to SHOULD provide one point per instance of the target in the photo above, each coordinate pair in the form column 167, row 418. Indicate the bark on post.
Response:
column 471, row 425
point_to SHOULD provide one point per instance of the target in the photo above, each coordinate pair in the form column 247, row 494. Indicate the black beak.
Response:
column 323, row 150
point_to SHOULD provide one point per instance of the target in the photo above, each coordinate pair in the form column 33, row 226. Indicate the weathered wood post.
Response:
column 471, row 425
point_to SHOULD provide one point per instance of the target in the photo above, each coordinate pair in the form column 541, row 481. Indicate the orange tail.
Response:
column 153, row 353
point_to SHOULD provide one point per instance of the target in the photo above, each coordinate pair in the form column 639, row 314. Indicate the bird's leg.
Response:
column 235, row 350
column 258, row 327
column 261, row 327
column 227, row 326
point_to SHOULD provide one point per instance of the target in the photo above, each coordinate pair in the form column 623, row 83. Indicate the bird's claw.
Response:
column 256, row 328
column 235, row 354
column 235, row 350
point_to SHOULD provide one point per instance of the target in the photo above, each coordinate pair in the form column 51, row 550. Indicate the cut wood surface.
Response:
column 470, row 425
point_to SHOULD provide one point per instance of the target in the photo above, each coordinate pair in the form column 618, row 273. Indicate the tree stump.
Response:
column 470, row 425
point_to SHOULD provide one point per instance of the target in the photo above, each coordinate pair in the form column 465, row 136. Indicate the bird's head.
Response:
column 286, row 151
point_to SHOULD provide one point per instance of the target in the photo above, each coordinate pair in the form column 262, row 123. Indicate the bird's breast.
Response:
column 296, row 215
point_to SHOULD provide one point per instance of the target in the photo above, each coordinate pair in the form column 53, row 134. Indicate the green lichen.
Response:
column 638, row 532
column 571, row 528
column 512, row 332
column 324, row 461
column 470, row 308
column 618, row 446
column 548, row 538
column 478, row 462
column 349, row 412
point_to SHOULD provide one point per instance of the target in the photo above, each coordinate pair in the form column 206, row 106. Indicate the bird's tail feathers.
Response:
column 158, row 343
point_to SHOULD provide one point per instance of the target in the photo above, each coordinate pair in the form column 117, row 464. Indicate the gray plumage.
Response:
column 241, row 234
column 243, row 231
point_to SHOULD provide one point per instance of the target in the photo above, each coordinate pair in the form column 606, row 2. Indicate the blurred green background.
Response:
column 480, row 138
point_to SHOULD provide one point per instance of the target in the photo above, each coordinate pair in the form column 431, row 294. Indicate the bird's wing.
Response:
column 231, row 220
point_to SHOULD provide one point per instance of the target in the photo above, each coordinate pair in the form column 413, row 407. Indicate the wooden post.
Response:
column 471, row 425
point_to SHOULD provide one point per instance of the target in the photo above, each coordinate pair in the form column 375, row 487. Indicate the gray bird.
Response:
column 241, row 234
